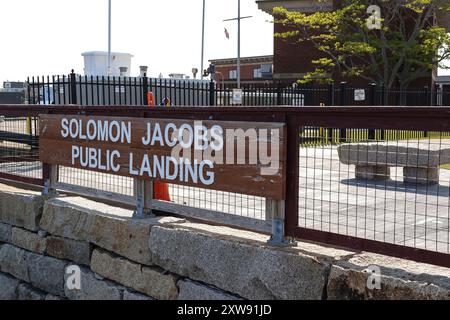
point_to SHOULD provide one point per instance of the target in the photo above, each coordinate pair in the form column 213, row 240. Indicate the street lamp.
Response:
column 203, row 38
column 109, row 37
column 194, row 72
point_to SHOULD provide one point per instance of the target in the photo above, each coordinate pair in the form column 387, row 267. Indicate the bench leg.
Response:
column 425, row 176
column 372, row 172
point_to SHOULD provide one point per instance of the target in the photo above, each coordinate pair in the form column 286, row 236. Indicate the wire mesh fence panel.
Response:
column 19, row 153
column 393, row 191
column 105, row 182
column 218, row 201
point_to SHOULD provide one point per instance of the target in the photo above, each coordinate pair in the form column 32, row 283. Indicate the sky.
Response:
column 47, row 37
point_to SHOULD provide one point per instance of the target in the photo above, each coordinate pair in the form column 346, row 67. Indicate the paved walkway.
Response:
column 332, row 200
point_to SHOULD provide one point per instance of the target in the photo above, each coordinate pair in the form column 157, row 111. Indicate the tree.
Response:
column 408, row 45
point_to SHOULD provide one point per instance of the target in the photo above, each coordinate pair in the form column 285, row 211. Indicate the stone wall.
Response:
column 120, row 258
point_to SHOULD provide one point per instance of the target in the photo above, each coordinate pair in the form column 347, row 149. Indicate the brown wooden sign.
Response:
column 238, row 157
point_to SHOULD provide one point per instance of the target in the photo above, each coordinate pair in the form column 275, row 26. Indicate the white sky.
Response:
column 46, row 37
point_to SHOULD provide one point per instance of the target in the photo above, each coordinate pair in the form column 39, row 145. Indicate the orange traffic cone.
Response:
column 160, row 189
column 151, row 99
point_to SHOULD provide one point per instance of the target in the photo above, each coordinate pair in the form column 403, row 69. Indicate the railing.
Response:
column 365, row 178
column 126, row 91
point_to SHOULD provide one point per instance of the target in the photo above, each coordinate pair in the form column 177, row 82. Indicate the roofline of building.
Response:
column 443, row 79
column 314, row 6
column 295, row 5
column 105, row 53
column 267, row 58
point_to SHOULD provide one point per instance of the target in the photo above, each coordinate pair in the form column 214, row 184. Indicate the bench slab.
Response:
column 423, row 153
column 420, row 159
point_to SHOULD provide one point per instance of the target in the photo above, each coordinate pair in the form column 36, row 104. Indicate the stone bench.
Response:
column 420, row 159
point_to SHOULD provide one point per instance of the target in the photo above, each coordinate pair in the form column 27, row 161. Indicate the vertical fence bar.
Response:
column 92, row 91
column 331, row 94
column 279, row 94
column 331, row 102
column 113, row 89
column 97, row 90
column 343, row 100
column 212, row 95
column 435, row 95
column 65, row 90
column 38, row 84
column 28, row 91
column 73, row 88
column 373, row 91
column 428, row 102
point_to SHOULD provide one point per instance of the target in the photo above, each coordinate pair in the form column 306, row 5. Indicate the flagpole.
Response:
column 109, row 37
column 239, row 18
column 239, row 47
column 203, row 40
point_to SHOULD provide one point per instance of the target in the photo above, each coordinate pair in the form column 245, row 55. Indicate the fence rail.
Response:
column 127, row 91
column 366, row 178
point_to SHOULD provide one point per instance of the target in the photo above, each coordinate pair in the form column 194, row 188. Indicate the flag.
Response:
column 227, row 34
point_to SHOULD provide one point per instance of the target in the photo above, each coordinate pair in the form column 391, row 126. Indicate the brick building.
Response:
column 256, row 70
column 444, row 86
column 292, row 61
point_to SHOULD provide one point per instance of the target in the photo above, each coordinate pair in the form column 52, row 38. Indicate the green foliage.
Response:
column 408, row 45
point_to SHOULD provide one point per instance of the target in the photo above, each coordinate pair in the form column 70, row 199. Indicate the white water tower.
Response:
column 96, row 63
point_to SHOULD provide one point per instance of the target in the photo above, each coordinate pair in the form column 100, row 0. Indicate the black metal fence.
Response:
column 101, row 90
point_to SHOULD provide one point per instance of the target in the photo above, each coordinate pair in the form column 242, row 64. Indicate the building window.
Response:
column 257, row 73
column 266, row 71
column 233, row 74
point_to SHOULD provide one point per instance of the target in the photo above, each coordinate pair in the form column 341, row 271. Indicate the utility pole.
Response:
column 203, row 39
column 109, row 37
column 239, row 47
column 239, row 18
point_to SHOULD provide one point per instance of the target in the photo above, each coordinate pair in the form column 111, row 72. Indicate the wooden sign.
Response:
column 238, row 157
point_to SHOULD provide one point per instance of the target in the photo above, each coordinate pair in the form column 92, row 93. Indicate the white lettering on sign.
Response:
column 172, row 169
column 113, row 131
column 185, row 152
column 93, row 158
column 186, row 136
